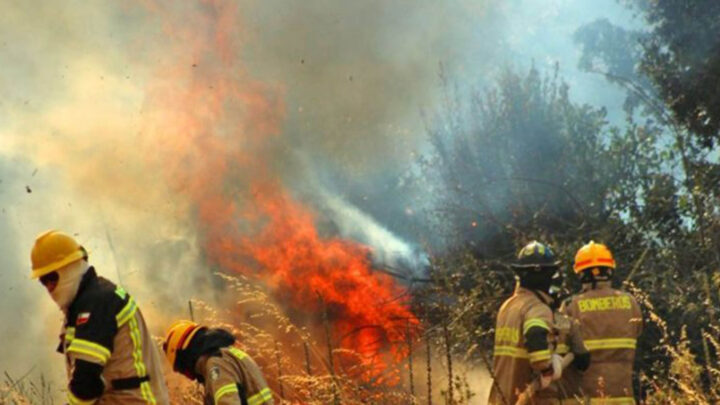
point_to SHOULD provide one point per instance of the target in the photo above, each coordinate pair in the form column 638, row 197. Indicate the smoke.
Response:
column 388, row 250
column 149, row 146
column 21, row 299
column 357, row 73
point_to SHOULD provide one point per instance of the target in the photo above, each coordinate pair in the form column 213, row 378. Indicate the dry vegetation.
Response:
column 278, row 345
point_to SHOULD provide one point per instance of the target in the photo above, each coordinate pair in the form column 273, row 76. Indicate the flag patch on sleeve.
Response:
column 82, row 318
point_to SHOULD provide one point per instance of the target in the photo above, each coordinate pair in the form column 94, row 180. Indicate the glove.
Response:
column 557, row 366
column 554, row 372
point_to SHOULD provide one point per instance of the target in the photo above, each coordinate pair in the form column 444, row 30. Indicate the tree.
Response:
column 518, row 162
column 665, row 70
column 681, row 56
column 522, row 161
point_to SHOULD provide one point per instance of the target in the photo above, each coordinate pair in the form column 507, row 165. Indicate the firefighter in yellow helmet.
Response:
column 611, row 322
column 209, row 356
column 526, row 334
column 110, row 356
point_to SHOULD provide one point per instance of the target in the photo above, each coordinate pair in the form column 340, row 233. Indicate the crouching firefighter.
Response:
column 611, row 322
column 110, row 356
column 209, row 356
column 526, row 336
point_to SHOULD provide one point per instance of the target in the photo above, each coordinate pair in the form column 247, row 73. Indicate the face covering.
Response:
column 68, row 283
column 556, row 284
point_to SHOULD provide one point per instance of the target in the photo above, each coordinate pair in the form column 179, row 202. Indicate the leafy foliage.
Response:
column 522, row 161
column 681, row 55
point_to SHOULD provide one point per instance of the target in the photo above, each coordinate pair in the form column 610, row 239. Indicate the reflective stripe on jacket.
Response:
column 233, row 378
column 514, row 365
column 611, row 322
column 104, row 326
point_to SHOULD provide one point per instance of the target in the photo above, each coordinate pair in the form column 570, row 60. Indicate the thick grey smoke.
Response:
column 355, row 76
column 358, row 74
column 29, row 316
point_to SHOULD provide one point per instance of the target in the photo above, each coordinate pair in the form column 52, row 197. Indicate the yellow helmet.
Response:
column 53, row 250
column 593, row 255
column 178, row 337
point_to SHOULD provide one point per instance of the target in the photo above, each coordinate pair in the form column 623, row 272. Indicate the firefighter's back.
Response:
column 512, row 367
column 611, row 322
column 105, row 327
column 233, row 377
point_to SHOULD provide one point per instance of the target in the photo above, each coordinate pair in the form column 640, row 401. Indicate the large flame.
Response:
column 217, row 128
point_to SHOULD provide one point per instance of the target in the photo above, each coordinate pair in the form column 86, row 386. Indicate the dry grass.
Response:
column 278, row 345
column 684, row 383
column 295, row 363
column 24, row 391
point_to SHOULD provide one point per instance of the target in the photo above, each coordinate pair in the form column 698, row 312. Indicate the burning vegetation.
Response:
column 216, row 128
column 516, row 161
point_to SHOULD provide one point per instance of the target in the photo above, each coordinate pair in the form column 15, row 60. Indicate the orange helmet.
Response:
column 53, row 250
column 593, row 255
column 178, row 337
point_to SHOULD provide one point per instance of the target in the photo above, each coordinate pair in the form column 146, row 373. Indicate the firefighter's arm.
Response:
column 577, row 346
column 221, row 384
column 536, row 330
column 576, row 342
column 637, row 316
column 90, row 349
column 86, row 384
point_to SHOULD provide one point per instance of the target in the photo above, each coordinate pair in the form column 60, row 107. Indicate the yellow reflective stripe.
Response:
column 612, row 401
column 510, row 351
column 120, row 292
column 146, row 390
column 237, row 353
column 138, row 360
column 261, row 397
column 562, row 348
column 534, row 322
column 73, row 400
column 225, row 389
column 69, row 334
column 126, row 313
column 617, row 343
column 90, row 348
column 539, row 355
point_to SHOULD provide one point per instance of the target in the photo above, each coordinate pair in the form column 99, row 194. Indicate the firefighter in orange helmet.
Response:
column 110, row 355
column 526, row 336
column 611, row 322
column 209, row 356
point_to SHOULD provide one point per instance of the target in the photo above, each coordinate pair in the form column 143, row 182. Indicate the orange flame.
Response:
column 216, row 127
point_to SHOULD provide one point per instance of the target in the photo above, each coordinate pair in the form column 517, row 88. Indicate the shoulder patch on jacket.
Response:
column 82, row 318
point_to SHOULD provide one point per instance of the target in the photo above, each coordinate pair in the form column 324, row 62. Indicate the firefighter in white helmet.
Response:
column 110, row 356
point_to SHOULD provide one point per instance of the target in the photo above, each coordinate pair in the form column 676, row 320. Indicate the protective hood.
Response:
column 205, row 341
column 69, row 283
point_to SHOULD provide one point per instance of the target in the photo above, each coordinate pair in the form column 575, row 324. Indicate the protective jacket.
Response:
column 524, row 341
column 570, row 340
column 231, row 377
column 611, row 322
column 105, row 331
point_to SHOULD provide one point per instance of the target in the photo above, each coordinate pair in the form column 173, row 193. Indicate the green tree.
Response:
column 681, row 56
column 521, row 161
